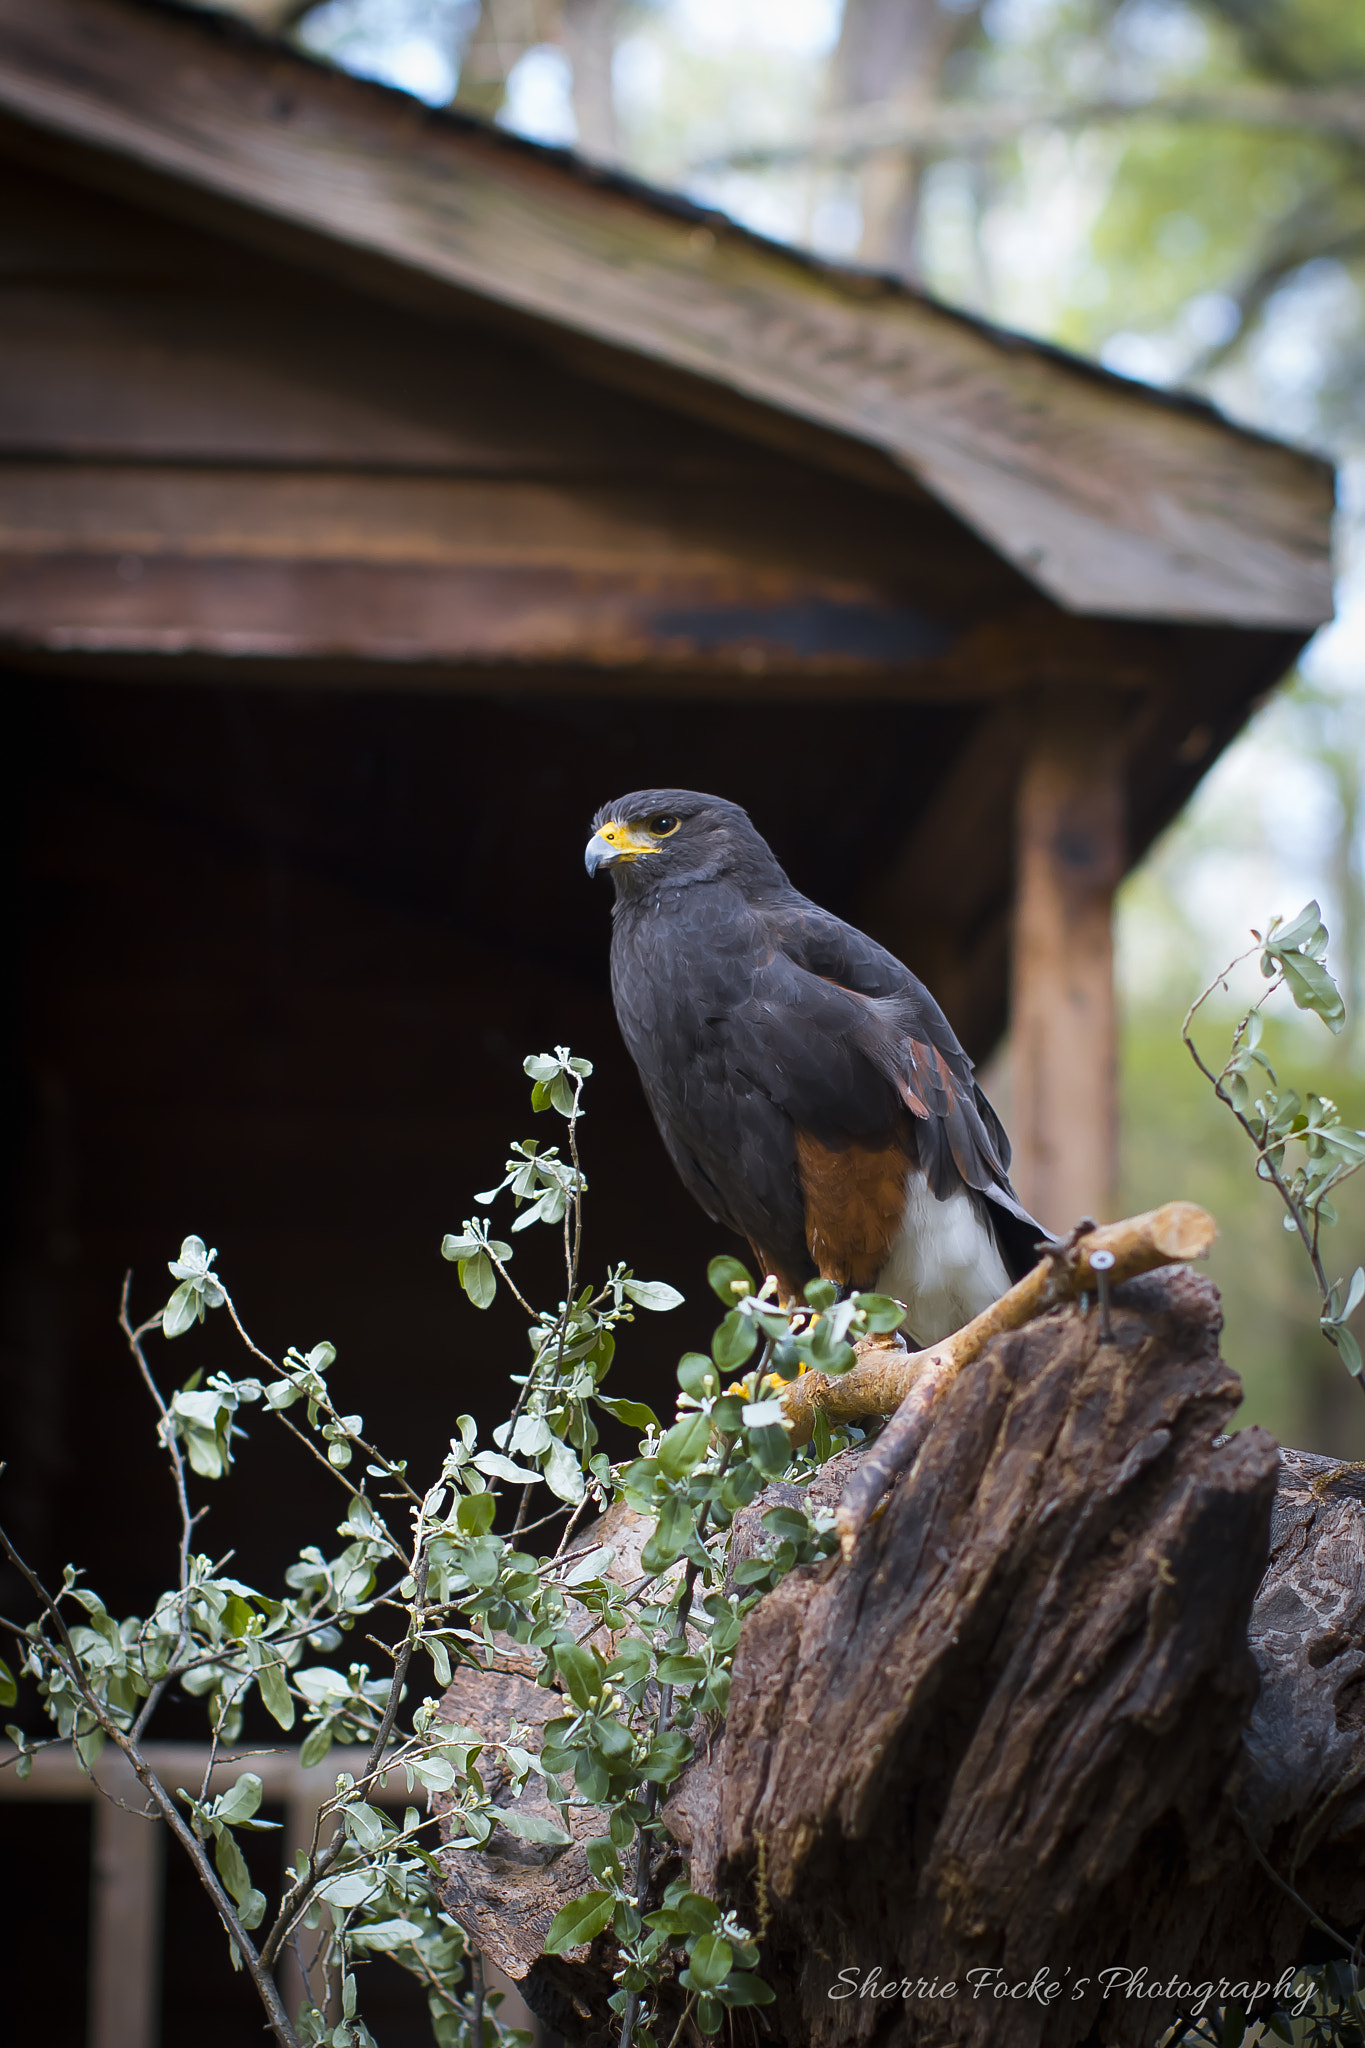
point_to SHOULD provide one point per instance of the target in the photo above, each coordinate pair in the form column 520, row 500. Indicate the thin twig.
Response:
column 187, row 1520
column 476, row 1980
column 170, row 1812
column 686, row 2016
column 320, row 1862
column 1271, row 1872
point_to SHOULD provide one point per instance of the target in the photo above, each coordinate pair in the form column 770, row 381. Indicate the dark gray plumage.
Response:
column 808, row 1088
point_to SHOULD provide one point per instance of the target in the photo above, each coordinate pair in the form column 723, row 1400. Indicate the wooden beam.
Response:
column 1111, row 498
column 539, row 624
column 126, row 1866
column 1072, row 845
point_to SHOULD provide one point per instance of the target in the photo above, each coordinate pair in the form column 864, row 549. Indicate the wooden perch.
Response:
column 886, row 1373
column 1092, row 1670
column 887, row 1379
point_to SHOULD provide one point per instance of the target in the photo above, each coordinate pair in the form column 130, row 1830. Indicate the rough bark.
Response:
column 1085, row 1656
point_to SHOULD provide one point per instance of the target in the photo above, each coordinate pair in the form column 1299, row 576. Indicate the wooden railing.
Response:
column 127, row 1857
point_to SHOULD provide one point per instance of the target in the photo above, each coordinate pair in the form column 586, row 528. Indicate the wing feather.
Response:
column 903, row 1035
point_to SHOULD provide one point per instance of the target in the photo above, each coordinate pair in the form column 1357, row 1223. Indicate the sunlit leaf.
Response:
column 581, row 1920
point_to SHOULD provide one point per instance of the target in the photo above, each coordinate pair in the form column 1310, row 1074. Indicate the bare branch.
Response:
column 946, row 126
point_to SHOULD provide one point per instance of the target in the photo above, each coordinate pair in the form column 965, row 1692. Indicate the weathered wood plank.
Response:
column 1110, row 498
column 753, row 533
column 744, row 634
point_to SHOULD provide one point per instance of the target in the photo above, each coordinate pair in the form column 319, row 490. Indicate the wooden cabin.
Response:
column 381, row 493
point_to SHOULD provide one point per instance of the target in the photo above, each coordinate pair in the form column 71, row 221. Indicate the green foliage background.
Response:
column 1178, row 1139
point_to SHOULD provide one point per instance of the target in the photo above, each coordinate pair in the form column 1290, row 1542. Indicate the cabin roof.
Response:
column 1111, row 499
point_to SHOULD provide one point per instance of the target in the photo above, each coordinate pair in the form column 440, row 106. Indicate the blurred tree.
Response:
column 895, row 53
column 504, row 32
column 588, row 32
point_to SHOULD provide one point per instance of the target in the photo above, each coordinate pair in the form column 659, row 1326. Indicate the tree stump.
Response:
column 1088, row 1695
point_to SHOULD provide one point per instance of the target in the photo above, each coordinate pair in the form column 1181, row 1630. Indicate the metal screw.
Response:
column 1102, row 1265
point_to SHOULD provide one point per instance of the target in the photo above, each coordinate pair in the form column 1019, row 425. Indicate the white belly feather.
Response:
column 944, row 1266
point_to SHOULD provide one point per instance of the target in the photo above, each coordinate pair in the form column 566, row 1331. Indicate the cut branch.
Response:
column 1173, row 1234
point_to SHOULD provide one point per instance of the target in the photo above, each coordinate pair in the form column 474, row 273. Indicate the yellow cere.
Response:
column 625, row 841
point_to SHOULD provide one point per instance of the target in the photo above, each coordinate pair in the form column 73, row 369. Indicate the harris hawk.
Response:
column 808, row 1088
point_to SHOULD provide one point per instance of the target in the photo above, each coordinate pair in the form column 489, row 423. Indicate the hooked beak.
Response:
column 615, row 844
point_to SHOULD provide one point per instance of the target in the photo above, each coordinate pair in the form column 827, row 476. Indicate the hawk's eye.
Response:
column 663, row 824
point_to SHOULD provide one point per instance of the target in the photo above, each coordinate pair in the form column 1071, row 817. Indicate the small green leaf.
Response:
column 684, row 1447
column 1350, row 1351
column 532, row 1827
column 602, row 1859
column 241, row 1802
column 697, row 1913
column 631, row 1663
column 697, row 1376
column 709, row 1963
column 1313, row 988
column 316, row 1744
column 734, row 1341
column 385, row 1935
column 365, row 1825
column 729, row 1280
column 581, row 1672
column 476, row 1514
column 581, row 1920
column 652, row 1294
column 681, row 1670
column 671, row 1537
column 279, row 1701
column 563, row 1473
column 741, row 1987
column 182, row 1311
column 881, row 1312
column 634, row 1414
column 1355, row 1294
column 437, row 1773
column 666, row 1756
column 593, row 1566
column 9, row 1691
column 232, row 1865
column 478, row 1279
column 1304, row 927
column 497, row 1467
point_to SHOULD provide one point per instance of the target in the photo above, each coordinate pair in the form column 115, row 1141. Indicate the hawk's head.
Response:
column 674, row 835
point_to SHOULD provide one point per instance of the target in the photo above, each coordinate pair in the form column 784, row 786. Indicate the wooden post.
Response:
column 1070, row 848
column 125, row 1935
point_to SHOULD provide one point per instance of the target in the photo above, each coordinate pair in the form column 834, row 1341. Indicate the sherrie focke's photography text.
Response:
column 1192, row 1995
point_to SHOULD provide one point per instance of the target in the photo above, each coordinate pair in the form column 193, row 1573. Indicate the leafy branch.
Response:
column 460, row 1593
column 1277, row 1117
